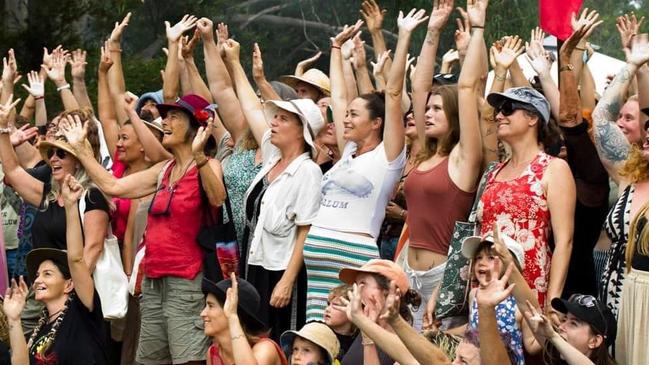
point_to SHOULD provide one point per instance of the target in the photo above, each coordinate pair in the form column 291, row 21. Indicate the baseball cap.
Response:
column 525, row 95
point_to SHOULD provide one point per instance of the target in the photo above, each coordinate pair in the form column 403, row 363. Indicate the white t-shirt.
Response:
column 291, row 200
column 356, row 190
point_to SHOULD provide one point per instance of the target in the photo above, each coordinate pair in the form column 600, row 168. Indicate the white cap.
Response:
column 470, row 246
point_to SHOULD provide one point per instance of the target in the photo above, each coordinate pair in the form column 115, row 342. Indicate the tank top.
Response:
column 215, row 356
column 434, row 203
column 119, row 216
column 170, row 238
column 510, row 333
column 521, row 208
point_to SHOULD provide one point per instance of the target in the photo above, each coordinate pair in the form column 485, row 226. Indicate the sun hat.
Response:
column 590, row 310
column 313, row 77
column 36, row 256
column 285, row 92
column 249, row 300
column 308, row 113
column 197, row 108
column 155, row 124
column 316, row 332
column 525, row 95
column 387, row 268
column 470, row 247
column 45, row 146
column 156, row 96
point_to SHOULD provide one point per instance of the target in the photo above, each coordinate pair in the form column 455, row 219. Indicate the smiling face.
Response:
column 358, row 122
column 305, row 352
column 61, row 166
column 285, row 129
column 213, row 317
column 437, row 125
column 579, row 334
column 514, row 126
column 486, row 266
column 628, row 120
column 49, row 283
column 129, row 148
column 175, row 127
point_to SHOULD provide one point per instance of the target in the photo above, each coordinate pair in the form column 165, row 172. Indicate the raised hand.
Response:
column 222, row 35
column 448, row 59
column 373, row 15
column 204, row 26
column 47, row 57
column 586, row 17
column 14, row 300
column 78, row 64
column 358, row 52
column 496, row 291
column 232, row 299
column 500, row 248
column 351, row 305
column 71, row 190
column 118, row 30
column 5, row 110
column 73, row 130
column 23, row 134
column 130, row 101
column 231, row 50
column 347, row 33
column 477, row 12
column 186, row 23
column 539, row 59
column 439, row 16
column 639, row 50
column 410, row 21
column 10, row 67
column 105, row 60
column 410, row 65
column 538, row 323
column 378, row 67
column 36, row 86
column 586, row 27
column 462, row 34
column 503, row 57
column 537, row 35
column 257, row 63
column 628, row 26
column 390, row 311
column 203, row 134
column 188, row 45
column 56, row 72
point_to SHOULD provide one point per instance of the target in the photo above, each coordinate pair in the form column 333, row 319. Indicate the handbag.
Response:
column 218, row 240
column 110, row 280
column 454, row 289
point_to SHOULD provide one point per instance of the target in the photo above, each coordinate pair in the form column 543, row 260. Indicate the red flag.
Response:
column 555, row 16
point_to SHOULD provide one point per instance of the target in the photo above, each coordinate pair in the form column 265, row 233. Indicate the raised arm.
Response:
column 611, row 144
column 14, row 303
column 210, row 171
column 378, row 70
column 153, row 149
column 78, row 69
column 348, row 70
column 423, row 80
column 57, row 74
column 539, row 58
column 220, row 83
column 116, row 82
column 265, row 88
column 135, row 185
column 360, row 66
column 337, row 77
column 105, row 105
column 36, row 90
column 586, row 17
column 198, row 85
column 9, row 74
column 84, row 286
column 172, row 69
column 374, row 15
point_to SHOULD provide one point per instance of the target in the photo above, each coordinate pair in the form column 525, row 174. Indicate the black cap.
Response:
column 249, row 300
column 590, row 310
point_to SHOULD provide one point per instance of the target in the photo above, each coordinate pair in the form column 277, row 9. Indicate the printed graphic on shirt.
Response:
column 344, row 181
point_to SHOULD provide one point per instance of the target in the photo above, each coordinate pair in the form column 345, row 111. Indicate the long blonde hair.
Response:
column 639, row 239
column 636, row 167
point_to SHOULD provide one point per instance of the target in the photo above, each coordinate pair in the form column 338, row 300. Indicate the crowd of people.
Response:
column 408, row 214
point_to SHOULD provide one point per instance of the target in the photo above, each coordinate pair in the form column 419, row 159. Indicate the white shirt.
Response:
column 291, row 200
column 356, row 190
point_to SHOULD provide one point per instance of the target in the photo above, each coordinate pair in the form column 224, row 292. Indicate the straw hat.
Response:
column 316, row 332
column 60, row 144
column 313, row 77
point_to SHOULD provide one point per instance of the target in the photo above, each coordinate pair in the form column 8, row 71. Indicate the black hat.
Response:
column 37, row 256
column 590, row 310
column 645, row 111
column 446, row 79
column 249, row 300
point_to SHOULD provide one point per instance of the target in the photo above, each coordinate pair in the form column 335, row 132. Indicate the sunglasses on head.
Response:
column 589, row 301
column 58, row 152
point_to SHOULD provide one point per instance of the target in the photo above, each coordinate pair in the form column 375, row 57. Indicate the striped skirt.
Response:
column 325, row 253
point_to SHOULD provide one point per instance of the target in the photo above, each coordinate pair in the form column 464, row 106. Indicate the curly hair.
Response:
column 636, row 167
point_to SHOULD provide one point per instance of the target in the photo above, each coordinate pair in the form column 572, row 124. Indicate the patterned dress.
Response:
column 617, row 227
column 520, row 207
column 510, row 332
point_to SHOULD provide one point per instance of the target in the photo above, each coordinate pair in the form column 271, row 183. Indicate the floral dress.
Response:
column 510, row 332
column 521, row 209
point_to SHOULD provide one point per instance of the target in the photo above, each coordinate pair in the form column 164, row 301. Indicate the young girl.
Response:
column 337, row 320
column 487, row 268
column 315, row 343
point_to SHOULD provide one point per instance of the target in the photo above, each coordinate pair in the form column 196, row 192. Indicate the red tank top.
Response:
column 216, row 357
column 170, row 238
column 434, row 203
column 122, row 205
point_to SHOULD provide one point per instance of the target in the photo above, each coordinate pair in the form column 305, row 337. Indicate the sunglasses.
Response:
column 589, row 301
column 508, row 108
column 61, row 154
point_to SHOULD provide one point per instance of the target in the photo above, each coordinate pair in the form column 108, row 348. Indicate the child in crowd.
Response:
column 314, row 344
column 337, row 320
column 487, row 268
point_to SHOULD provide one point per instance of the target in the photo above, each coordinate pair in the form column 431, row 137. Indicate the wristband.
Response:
column 567, row 67
column 336, row 47
column 60, row 88
column 39, row 97
column 6, row 130
column 477, row 26
column 500, row 78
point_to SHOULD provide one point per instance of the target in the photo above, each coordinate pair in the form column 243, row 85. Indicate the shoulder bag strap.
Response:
column 481, row 187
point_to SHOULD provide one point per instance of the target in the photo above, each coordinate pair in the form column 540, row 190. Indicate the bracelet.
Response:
column 500, row 78
column 366, row 341
column 336, row 47
column 580, row 49
column 6, row 130
column 237, row 337
column 567, row 67
column 477, row 26
column 66, row 86
column 39, row 97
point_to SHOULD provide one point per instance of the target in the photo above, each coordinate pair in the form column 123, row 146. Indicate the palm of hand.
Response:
column 409, row 22
column 639, row 53
column 476, row 13
column 505, row 57
column 438, row 17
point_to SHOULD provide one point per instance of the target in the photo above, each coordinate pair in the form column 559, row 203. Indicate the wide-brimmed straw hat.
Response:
column 313, row 77
column 316, row 332
column 36, row 256
column 308, row 113
column 60, row 144
column 249, row 300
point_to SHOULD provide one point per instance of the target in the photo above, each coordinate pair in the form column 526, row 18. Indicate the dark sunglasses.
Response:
column 589, row 301
column 508, row 108
column 56, row 151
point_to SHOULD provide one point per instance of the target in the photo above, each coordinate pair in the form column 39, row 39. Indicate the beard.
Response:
column 146, row 115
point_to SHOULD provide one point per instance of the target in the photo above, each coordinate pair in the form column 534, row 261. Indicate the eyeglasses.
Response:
column 589, row 301
column 61, row 154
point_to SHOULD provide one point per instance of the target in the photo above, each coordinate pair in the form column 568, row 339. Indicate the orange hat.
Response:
column 387, row 268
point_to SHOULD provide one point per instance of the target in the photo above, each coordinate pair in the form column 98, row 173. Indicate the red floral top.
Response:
column 521, row 210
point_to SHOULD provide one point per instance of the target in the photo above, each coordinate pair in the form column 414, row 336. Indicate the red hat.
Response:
column 198, row 109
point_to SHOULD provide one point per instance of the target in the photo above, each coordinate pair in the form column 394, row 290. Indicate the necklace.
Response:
column 183, row 171
column 42, row 344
